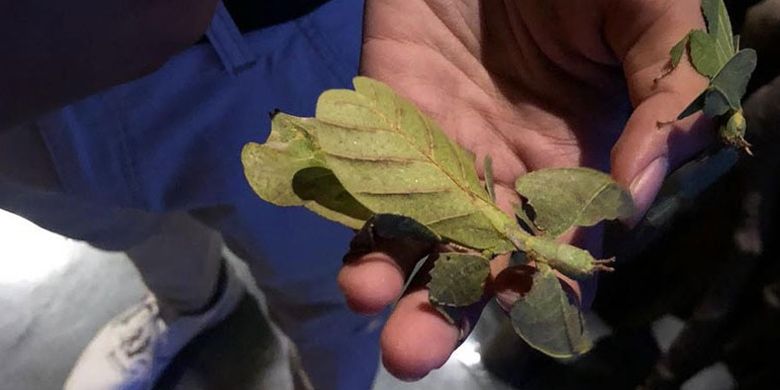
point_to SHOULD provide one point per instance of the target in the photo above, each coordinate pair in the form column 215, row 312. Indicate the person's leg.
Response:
column 296, row 269
column 192, row 288
column 179, row 259
column 180, row 264
column 338, row 348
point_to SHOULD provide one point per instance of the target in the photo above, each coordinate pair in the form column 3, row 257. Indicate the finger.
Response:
column 641, row 33
column 417, row 338
column 375, row 280
column 646, row 153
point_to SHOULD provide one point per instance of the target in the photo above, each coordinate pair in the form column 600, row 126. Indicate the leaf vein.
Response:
column 376, row 159
column 405, row 192
column 450, row 218
column 593, row 197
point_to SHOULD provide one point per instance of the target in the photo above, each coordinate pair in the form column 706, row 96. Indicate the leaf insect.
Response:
column 571, row 261
column 359, row 164
column 715, row 54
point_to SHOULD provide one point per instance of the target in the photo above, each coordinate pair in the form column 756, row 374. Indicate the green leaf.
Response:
column 720, row 32
column 711, row 50
column 395, row 160
column 548, row 319
column 566, row 197
column 704, row 54
column 369, row 152
column 715, row 103
column 288, row 171
column 724, row 96
column 458, row 279
column 719, row 26
column 727, row 89
column 733, row 79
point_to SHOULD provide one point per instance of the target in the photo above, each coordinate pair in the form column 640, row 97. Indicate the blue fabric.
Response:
column 171, row 141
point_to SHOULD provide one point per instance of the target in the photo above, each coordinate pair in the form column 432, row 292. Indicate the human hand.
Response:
column 534, row 84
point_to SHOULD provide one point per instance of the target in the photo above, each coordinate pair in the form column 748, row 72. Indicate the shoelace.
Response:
column 140, row 330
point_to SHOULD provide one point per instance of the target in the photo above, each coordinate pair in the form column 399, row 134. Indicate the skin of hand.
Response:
column 534, row 84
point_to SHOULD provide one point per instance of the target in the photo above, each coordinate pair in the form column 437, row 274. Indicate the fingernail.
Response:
column 645, row 187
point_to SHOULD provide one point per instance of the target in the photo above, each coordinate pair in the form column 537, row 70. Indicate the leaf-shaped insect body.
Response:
column 709, row 50
column 376, row 153
column 371, row 159
column 549, row 320
column 716, row 55
column 723, row 98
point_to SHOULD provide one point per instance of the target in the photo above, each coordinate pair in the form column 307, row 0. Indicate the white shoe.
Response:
column 133, row 350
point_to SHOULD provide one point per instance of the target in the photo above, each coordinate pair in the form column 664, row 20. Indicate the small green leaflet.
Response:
column 567, row 197
column 709, row 50
column 458, row 279
column 372, row 161
column 716, row 55
column 719, row 24
column 548, row 320
column 677, row 52
column 705, row 56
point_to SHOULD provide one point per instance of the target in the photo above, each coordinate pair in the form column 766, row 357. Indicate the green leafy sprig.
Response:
column 371, row 160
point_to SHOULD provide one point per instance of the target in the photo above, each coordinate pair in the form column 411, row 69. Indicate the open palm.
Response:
column 533, row 84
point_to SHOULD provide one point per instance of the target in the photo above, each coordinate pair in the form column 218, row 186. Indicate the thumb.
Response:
column 642, row 33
